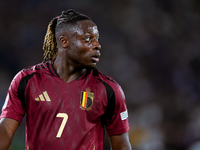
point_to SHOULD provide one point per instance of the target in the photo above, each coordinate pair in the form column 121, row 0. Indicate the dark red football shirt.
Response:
column 62, row 115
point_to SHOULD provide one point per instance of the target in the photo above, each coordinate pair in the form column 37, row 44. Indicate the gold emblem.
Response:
column 86, row 99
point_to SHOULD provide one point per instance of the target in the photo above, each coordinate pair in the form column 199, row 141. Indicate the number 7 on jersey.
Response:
column 64, row 121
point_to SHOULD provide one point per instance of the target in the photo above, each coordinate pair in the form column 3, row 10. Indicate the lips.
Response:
column 95, row 59
column 95, row 56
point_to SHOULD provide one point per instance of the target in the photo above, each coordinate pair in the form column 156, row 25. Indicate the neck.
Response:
column 67, row 72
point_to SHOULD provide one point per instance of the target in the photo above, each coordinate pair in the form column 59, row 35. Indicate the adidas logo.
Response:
column 43, row 97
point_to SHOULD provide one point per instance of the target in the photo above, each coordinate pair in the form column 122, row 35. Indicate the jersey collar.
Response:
column 54, row 72
column 52, row 69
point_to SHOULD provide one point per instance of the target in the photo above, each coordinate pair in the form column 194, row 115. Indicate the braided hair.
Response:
column 57, row 25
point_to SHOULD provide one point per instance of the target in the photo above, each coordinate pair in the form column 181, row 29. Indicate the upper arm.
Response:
column 118, row 124
column 8, row 128
column 13, row 105
column 9, row 125
column 120, row 142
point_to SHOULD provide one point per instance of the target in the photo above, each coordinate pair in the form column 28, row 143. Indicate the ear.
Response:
column 64, row 41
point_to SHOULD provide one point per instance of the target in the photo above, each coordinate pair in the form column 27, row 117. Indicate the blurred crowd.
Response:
column 150, row 47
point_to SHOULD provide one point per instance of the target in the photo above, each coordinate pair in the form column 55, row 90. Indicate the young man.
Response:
column 67, row 101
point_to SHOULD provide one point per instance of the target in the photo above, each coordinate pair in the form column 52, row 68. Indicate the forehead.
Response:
column 86, row 26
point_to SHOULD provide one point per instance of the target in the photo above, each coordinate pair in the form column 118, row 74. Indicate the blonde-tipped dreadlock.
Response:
column 50, row 45
column 56, row 25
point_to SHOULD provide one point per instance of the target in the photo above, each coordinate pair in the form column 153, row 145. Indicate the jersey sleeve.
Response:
column 12, row 107
column 118, row 124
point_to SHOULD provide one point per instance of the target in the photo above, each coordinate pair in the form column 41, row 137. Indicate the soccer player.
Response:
column 66, row 100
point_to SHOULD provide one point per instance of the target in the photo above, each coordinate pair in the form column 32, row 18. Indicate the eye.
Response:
column 87, row 38
column 98, row 38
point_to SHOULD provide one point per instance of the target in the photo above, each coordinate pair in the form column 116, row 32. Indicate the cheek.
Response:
column 82, row 49
column 80, row 52
column 86, row 46
column 78, row 44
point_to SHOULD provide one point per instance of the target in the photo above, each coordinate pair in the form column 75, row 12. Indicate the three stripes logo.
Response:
column 86, row 99
column 43, row 97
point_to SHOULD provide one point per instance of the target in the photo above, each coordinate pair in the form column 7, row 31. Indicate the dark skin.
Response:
column 78, row 48
column 7, row 130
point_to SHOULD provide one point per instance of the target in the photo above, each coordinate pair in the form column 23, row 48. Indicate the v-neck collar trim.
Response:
column 54, row 72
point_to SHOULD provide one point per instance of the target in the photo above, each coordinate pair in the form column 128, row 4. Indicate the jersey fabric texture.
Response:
column 62, row 115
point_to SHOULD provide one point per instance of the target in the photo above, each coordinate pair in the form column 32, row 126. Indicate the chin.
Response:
column 91, row 65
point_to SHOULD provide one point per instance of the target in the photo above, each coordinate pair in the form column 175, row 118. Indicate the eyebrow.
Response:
column 90, row 32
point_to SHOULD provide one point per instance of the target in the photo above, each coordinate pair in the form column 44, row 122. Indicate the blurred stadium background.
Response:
column 150, row 47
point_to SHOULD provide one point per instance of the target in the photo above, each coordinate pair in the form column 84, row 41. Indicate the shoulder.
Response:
column 35, row 68
column 30, row 71
column 99, row 75
column 38, row 68
column 109, row 83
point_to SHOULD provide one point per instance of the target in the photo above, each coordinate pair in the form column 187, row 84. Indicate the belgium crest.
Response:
column 86, row 99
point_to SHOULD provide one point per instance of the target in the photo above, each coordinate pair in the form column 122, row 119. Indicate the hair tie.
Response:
column 58, row 17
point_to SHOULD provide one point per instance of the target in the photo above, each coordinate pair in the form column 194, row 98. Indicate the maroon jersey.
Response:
column 62, row 115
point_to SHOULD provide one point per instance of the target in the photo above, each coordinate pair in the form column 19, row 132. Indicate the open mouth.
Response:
column 96, row 56
column 95, row 59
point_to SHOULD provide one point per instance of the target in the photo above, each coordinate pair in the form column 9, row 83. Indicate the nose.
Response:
column 96, row 45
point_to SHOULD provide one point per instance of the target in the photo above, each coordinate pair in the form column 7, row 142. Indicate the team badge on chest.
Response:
column 86, row 99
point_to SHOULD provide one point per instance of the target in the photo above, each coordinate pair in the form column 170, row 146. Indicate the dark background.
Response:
column 150, row 47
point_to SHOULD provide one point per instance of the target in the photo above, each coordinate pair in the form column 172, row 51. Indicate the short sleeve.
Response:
column 119, row 121
column 12, row 107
